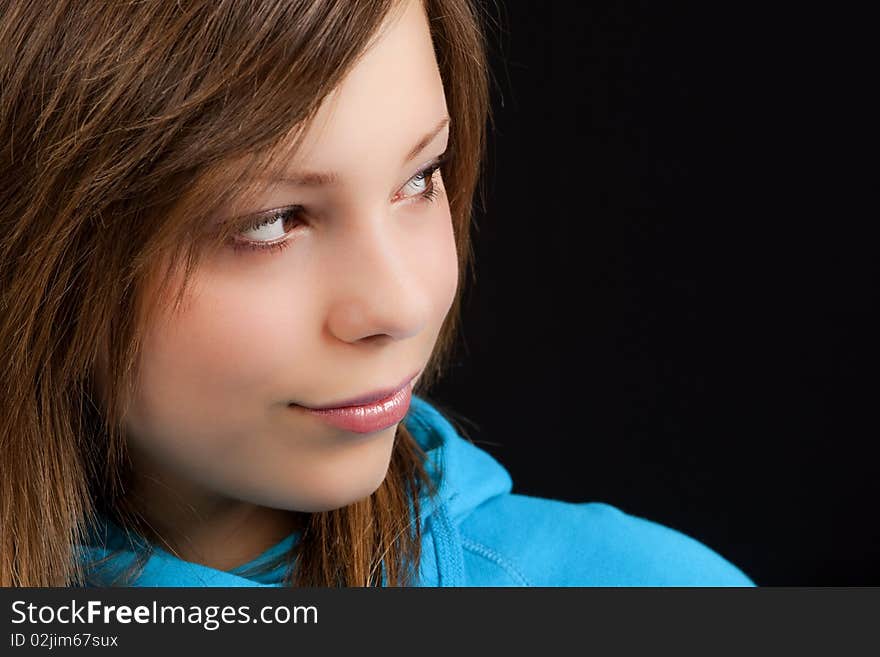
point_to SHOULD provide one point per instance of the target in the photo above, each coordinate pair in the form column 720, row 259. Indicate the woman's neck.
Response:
column 208, row 529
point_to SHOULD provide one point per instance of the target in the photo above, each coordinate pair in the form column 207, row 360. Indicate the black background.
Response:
column 675, row 308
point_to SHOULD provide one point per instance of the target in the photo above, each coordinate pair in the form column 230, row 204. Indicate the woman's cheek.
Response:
column 447, row 264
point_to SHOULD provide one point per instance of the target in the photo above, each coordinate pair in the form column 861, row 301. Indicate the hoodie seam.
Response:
column 491, row 555
column 417, row 418
column 448, row 550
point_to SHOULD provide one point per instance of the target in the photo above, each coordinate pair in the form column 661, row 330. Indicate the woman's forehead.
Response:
column 390, row 104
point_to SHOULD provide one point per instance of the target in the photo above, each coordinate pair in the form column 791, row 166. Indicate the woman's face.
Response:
column 354, row 304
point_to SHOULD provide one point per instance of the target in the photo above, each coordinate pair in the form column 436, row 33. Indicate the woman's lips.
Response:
column 375, row 396
column 369, row 416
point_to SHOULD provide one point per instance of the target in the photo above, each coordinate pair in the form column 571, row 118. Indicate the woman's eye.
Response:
column 423, row 183
column 420, row 182
column 270, row 230
column 275, row 225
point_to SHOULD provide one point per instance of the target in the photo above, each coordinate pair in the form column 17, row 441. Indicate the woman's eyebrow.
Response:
column 325, row 178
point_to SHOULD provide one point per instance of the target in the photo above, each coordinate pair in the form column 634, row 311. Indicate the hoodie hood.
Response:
column 468, row 475
column 465, row 476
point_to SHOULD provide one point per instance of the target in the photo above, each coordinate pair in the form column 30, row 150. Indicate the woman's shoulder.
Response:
column 486, row 535
column 523, row 540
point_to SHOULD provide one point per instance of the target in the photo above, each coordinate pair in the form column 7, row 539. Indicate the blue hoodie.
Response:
column 478, row 533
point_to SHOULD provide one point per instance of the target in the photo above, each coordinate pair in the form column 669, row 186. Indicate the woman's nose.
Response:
column 379, row 287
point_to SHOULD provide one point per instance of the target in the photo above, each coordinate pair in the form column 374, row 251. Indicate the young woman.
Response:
column 233, row 238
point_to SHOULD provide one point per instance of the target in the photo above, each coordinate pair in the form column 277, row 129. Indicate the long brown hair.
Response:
column 123, row 128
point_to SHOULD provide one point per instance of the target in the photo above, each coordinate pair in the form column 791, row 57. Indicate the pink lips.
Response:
column 368, row 413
